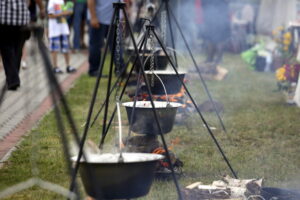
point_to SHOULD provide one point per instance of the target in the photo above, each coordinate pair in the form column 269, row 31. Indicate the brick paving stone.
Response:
column 32, row 99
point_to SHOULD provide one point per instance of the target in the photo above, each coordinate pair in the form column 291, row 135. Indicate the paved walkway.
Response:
column 21, row 109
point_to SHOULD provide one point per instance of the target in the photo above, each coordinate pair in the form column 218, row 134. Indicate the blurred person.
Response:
column 216, row 29
column 248, row 14
column 100, row 14
column 79, row 17
column 14, row 18
column 71, row 16
column 137, row 25
column 58, row 32
column 32, row 6
column 70, row 19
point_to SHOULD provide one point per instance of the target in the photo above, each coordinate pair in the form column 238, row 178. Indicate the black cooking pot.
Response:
column 143, row 119
column 160, row 62
column 129, row 179
column 279, row 194
column 170, row 80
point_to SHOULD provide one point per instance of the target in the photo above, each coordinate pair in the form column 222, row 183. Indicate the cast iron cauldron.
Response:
column 279, row 194
column 143, row 120
column 114, row 180
column 170, row 80
column 160, row 62
column 160, row 59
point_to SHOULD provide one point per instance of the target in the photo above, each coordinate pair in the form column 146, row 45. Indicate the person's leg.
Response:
column 82, row 34
column 77, row 19
column 24, row 58
column 219, row 53
column 8, row 44
column 69, row 68
column 54, row 46
column 65, row 49
column 67, row 59
column 210, row 51
column 83, row 23
column 96, row 39
column 23, row 36
column 7, row 53
column 54, row 58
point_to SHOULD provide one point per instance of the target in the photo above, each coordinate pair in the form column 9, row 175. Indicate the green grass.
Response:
column 262, row 140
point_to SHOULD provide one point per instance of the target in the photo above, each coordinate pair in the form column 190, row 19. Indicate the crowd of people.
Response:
column 67, row 21
column 64, row 18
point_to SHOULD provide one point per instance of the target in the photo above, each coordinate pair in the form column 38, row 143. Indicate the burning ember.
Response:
column 179, row 97
column 150, row 144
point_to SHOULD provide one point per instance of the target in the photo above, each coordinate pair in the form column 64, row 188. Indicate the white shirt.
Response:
column 57, row 26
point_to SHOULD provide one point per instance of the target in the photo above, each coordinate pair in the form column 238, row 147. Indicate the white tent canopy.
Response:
column 275, row 13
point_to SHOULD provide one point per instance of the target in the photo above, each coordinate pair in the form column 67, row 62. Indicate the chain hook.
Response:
column 118, row 46
column 152, row 59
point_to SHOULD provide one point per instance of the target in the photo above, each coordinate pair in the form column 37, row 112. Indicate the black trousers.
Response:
column 214, row 52
column 12, row 40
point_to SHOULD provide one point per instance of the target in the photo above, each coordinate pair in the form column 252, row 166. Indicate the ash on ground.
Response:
column 228, row 188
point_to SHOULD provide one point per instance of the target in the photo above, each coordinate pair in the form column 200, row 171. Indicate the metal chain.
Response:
column 123, row 27
column 118, row 47
column 164, row 26
column 152, row 58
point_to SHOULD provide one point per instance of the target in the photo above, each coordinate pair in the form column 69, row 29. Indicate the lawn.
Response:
column 262, row 137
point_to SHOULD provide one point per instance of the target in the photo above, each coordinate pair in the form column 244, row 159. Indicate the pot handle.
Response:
column 163, row 85
column 121, row 159
column 152, row 70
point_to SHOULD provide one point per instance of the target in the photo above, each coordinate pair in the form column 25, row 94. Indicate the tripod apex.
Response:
column 119, row 5
column 150, row 26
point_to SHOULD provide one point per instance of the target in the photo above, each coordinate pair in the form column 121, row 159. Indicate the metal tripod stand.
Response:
column 113, row 33
column 170, row 16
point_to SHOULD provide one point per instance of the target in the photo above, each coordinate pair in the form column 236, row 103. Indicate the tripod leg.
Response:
column 109, row 76
column 55, row 98
column 198, row 71
column 121, row 96
column 144, row 44
column 114, row 86
column 95, row 92
column 171, row 33
column 87, row 124
column 198, row 110
column 58, row 95
column 115, row 109
column 119, row 79
column 153, row 108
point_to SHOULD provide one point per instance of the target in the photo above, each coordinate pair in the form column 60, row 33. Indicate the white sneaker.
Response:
column 24, row 64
